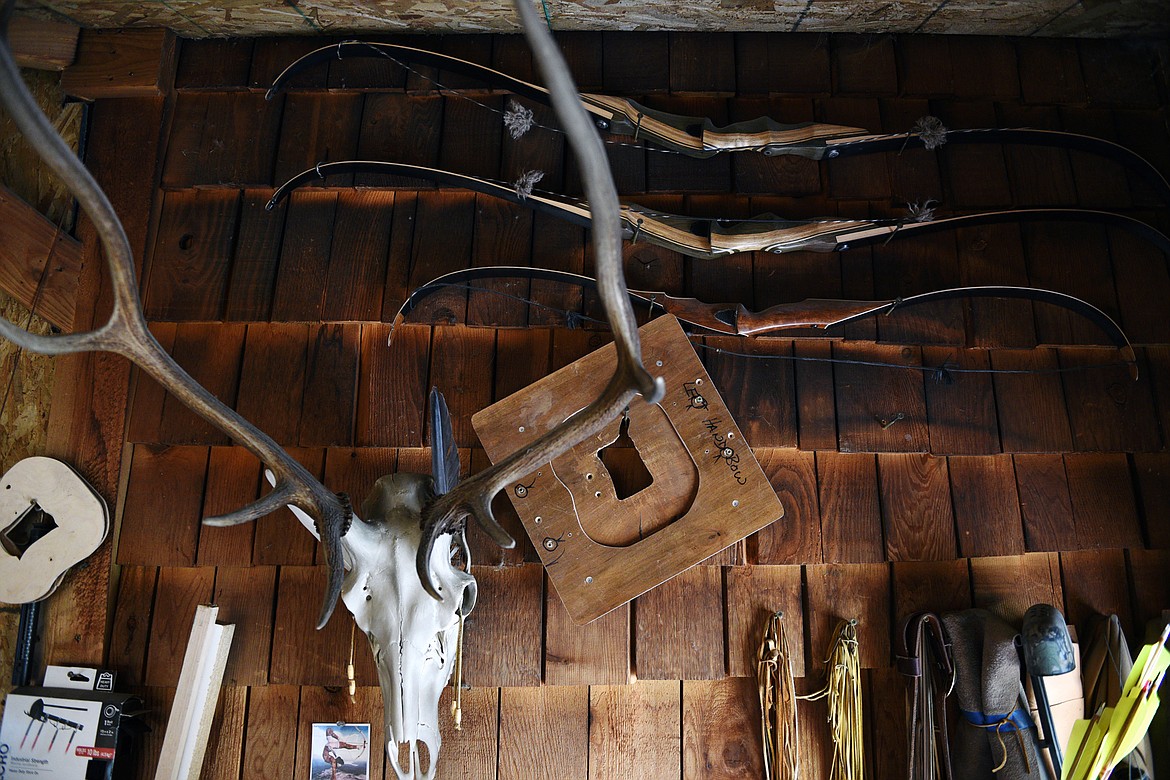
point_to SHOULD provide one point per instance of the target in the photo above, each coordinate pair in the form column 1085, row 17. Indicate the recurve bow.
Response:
column 700, row 137
column 735, row 319
column 713, row 238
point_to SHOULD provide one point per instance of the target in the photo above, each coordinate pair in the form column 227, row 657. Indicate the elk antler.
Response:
column 125, row 333
column 449, row 512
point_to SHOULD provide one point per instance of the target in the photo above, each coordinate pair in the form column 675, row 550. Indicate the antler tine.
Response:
column 126, row 333
column 448, row 513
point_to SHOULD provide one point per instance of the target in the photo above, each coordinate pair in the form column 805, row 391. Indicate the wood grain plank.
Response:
column 225, row 743
column 760, row 392
column 975, row 175
column 148, row 397
column 1050, row 71
column 392, row 386
column 851, row 515
column 635, row 731
column 318, row 127
column 398, row 266
column 720, row 733
column 271, row 732
column 1152, row 471
column 39, row 263
column 1108, row 410
column 930, row 586
column 503, row 236
column 1103, row 503
column 986, row 506
column 222, row 138
column 753, row 595
column 1149, row 583
column 131, row 628
column 916, row 508
column 121, row 64
column 635, row 63
column 272, row 379
column 960, row 408
column 1045, row 505
column 679, row 627
column 502, row 637
column 544, row 732
column 796, row 537
column 994, row 254
column 702, row 63
column 233, row 481
column 914, row 174
column 462, row 369
column 597, row 653
column 435, row 253
column 924, row 66
column 331, row 377
column 160, row 520
column 866, row 396
column 87, row 423
column 816, row 401
column 1143, row 282
column 988, row 65
column 304, row 257
column 1040, row 176
column 302, row 655
column 359, row 256
column 179, row 592
column 280, row 538
column 798, row 62
column 1100, row 182
column 1008, row 585
column 211, row 354
column 43, row 44
column 214, row 63
column 1030, row 406
column 865, row 176
column 864, row 64
column 257, row 253
column 859, row 591
column 187, row 278
column 472, row 136
column 1051, row 250
column 923, row 264
column 522, row 357
column 472, row 752
column 1096, row 584
column 245, row 597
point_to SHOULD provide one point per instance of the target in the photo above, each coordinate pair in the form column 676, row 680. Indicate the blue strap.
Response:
column 1017, row 720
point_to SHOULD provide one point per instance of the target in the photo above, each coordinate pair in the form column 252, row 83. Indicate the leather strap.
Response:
column 924, row 656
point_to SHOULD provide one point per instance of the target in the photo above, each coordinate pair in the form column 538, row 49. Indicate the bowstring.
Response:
column 940, row 372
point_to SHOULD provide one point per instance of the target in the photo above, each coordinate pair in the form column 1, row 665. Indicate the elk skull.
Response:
column 412, row 635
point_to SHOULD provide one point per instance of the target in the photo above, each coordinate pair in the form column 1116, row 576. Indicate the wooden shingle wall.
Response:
column 993, row 489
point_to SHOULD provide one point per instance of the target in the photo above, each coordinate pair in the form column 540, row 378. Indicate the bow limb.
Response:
column 708, row 238
column 700, row 137
column 734, row 319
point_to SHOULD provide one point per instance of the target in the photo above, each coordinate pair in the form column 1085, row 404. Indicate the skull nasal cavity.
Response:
column 624, row 464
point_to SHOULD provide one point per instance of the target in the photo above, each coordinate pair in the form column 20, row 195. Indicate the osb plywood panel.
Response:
column 199, row 18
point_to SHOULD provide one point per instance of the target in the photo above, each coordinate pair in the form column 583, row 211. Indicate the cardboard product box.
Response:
column 75, row 727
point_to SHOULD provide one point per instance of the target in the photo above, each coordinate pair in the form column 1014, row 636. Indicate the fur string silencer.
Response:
column 781, row 732
column 843, row 692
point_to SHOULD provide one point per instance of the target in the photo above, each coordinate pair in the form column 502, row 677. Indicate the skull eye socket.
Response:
column 437, row 649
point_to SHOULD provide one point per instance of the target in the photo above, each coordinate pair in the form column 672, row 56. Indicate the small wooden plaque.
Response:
column 707, row 491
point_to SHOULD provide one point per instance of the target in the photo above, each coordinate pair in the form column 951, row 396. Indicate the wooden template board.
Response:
column 706, row 493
